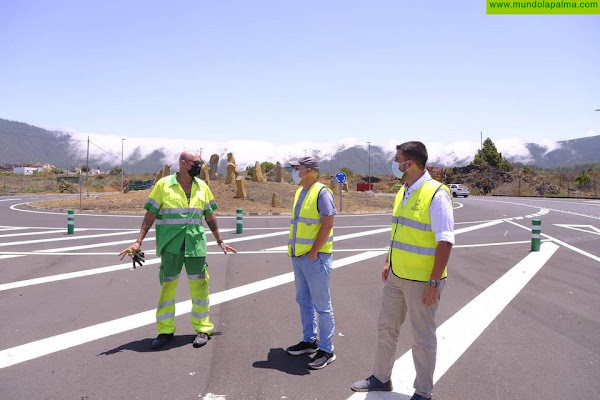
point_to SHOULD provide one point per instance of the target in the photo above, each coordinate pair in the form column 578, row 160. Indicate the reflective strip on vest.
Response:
column 196, row 277
column 413, row 224
column 201, row 302
column 153, row 202
column 165, row 211
column 179, row 221
column 308, row 241
column 307, row 221
column 425, row 251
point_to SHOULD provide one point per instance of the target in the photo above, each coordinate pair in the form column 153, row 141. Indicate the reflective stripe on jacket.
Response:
column 412, row 250
column 308, row 223
column 176, row 220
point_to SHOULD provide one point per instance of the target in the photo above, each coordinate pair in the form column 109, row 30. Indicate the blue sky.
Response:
column 298, row 74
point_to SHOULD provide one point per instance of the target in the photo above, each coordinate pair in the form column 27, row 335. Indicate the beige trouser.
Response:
column 402, row 296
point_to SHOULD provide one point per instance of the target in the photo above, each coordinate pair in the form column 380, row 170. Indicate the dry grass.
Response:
column 258, row 201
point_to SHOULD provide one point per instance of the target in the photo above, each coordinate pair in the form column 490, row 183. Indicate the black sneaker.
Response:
column 303, row 348
column 161, row 339
column 201, row 339
column 321, row 360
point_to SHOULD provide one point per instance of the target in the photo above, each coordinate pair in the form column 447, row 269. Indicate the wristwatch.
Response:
column 433, row 283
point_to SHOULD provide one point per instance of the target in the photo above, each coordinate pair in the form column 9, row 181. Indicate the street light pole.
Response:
column 201, row 153
column 369, row 143
column 122, row 144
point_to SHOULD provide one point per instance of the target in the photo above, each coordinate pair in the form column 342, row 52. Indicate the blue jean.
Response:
column 312, row 294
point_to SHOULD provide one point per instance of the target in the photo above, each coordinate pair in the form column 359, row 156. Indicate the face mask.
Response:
column 296, row 176
column 195, row 170
column 396, row 169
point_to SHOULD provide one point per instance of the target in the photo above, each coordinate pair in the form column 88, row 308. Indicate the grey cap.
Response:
column 308, row 162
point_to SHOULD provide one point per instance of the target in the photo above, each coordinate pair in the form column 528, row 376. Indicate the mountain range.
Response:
column 23, row 143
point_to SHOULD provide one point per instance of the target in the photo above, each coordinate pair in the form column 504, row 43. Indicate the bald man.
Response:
column 177, row 203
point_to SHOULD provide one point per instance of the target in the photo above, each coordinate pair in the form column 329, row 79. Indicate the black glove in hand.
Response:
column 138, row 257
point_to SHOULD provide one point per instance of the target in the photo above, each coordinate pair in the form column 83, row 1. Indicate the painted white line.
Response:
column 39, row 348
column 60, row 239
column 14, row 208
column 10, row 256
column 10, row 199
column 589, row 228
column 480, row 226
column 338, row 238
column 460, row 205
column 560, row 242
column 15, row 229
column 110, row 268
column 463, row 328
column 335, row 250
column 36, row 233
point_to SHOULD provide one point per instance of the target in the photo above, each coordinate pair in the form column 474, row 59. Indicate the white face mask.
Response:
column 396, row 169
column 296, row 176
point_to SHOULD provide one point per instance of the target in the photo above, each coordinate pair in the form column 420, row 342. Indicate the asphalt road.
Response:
column 77, row 323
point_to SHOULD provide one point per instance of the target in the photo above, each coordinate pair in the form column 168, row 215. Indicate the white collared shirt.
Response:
column 440, row 211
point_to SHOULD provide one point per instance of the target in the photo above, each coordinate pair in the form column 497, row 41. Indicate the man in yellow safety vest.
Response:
column 310, row 246
column 178, row 203
column 422, row 238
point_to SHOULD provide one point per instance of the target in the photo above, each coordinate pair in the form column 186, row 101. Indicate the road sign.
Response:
column 340, row 177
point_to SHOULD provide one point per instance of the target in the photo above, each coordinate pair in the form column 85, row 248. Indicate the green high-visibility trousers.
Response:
column 198, row 278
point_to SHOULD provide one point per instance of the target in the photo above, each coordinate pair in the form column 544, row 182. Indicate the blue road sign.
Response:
column 340, row 177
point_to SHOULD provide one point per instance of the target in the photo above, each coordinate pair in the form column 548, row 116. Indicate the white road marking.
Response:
column 10, row 199
column 338, row 238
column 590, row 228
column 560, row 242
column 53, row 344
column 335, row 250
column 463, row 328
column 14, row 208
column 37, row 233
column 39, row 348
column 110, row 268
column 132, row 232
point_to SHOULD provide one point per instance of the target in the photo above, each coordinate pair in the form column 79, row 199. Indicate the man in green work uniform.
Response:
column 177, row 203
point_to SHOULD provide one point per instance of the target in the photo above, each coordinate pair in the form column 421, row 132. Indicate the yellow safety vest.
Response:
column 412, row 251
column 308, row 223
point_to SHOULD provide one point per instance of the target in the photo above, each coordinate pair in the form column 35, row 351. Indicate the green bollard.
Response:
column 70, row 222
column 239, row 227
column 536, row 234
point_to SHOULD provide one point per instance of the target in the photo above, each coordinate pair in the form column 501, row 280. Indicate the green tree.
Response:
column 488, row 155
column 266, row 166
column 347, row 171
column 582, row 180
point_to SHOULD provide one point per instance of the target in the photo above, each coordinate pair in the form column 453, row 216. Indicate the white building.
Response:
column 26, row 170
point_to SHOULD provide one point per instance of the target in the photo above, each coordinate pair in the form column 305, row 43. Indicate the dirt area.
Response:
column 258, row 201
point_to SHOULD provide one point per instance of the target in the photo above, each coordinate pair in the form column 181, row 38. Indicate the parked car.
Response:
column 458, row 190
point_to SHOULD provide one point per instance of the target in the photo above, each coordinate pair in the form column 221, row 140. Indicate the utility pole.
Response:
column 122, row 144
column 201, row 153
column 87, row 162
column 304, row 152
column 481, row 140
column 369, row 143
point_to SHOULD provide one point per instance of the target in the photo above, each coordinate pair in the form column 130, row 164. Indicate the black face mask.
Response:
column 195, row 170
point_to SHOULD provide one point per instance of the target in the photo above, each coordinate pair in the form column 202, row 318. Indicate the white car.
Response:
column 458, row 190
